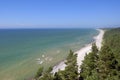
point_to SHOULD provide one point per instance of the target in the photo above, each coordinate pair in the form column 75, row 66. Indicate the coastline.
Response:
column 82, row 52
column 85, row 50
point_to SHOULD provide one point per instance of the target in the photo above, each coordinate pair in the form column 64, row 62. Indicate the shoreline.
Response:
column 82, row 52
column 85, row 50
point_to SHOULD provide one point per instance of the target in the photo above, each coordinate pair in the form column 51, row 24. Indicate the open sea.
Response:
column 23, row 51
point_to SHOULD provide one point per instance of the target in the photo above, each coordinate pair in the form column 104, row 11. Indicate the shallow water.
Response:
column 19, row 49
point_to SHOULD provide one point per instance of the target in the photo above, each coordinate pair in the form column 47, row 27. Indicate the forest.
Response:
column 103, row 64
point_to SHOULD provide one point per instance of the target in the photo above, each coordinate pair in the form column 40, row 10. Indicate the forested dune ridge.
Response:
column 97, row 65
column 104, row 64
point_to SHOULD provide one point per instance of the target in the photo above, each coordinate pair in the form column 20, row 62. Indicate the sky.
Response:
column 59, row 13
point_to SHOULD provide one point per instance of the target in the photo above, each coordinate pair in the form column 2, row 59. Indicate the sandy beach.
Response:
column 82, row 52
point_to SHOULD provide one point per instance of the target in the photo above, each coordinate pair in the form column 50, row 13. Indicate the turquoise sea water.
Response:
column 19, row 49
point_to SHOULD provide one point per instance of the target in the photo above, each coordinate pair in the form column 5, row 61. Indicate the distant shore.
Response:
column 82, row 52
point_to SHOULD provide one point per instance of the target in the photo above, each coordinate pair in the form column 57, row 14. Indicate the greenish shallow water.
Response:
column 19, row 49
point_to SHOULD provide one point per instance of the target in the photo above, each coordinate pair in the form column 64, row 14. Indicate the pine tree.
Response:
column 39, row 73
column 105, row 63
column 88, row 67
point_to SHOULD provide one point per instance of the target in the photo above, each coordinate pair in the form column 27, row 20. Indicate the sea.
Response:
column 23, row 51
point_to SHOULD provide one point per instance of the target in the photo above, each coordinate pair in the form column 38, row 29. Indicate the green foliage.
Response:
column 94, row 48
column 106, row 59
column 57, row 76
column 39, row 72
column 103, row 64
column 49, row 69
column 47, row 76
column 70, row 57
column 89, row 64
column 72, row 69
column 70, row 72
column 94, row 76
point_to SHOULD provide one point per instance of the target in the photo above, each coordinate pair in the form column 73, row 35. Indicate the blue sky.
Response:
column 59, row 13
